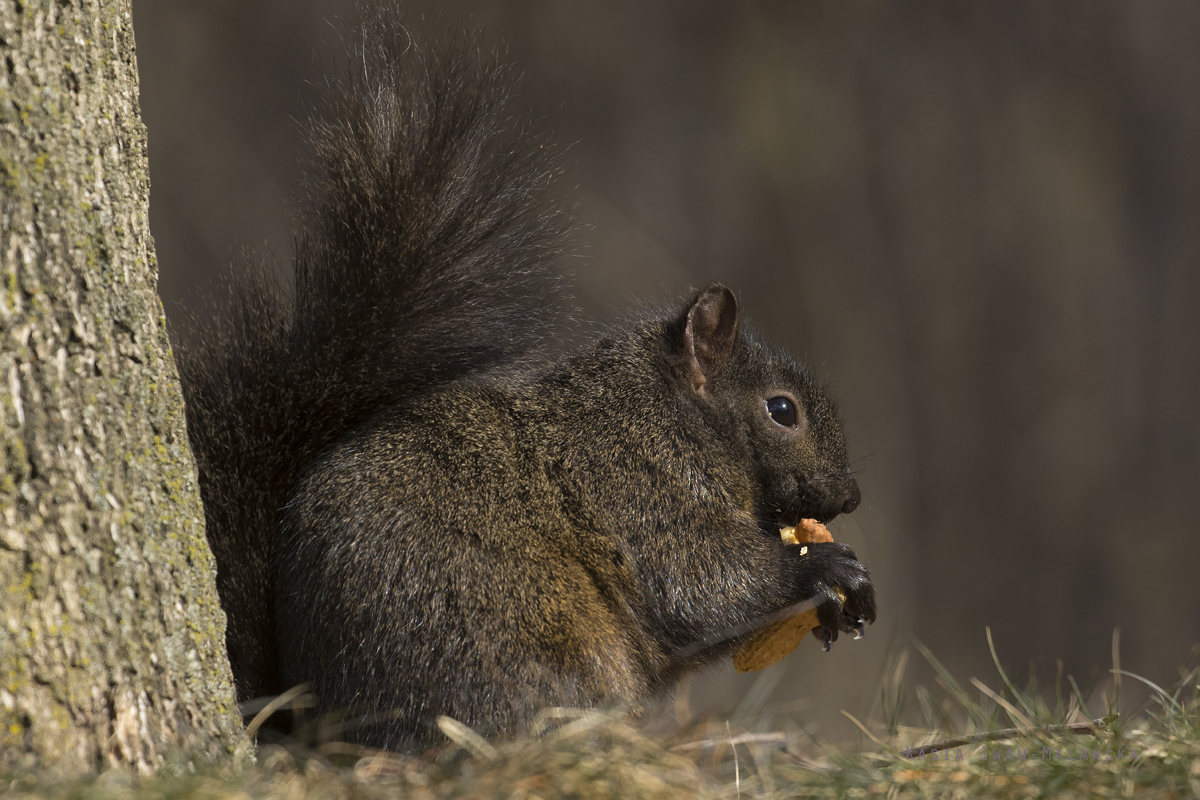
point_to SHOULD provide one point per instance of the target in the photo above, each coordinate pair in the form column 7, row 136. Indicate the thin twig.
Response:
column 741, row 738
column 1092, row 727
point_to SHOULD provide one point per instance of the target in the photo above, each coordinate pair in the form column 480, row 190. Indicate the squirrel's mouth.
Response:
column 773, row 521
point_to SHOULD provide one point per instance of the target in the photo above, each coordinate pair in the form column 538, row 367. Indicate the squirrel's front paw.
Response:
column 827, row 566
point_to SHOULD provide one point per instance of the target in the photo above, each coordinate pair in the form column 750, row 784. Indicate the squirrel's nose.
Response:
column 853, row 498
column 831, row 497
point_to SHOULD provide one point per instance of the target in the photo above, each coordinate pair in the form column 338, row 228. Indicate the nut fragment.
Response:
column 808, row 531
column 780, row 638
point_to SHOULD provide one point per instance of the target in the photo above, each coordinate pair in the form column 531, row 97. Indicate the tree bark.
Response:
column 112, row 641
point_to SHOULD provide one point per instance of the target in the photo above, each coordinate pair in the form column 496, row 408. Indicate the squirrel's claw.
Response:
column 849, row 623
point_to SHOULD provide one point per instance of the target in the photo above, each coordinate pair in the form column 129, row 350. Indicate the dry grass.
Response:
column 1152, row 753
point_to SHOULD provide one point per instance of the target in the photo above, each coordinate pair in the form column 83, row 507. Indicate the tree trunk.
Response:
column 112, row 642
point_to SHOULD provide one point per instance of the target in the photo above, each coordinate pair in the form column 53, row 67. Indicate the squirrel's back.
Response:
column 421, row 257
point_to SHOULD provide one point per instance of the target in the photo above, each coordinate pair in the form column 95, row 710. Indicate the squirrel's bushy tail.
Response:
column 423, row 255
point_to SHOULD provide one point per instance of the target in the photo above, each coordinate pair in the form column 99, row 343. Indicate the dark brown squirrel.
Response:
column 412, row 516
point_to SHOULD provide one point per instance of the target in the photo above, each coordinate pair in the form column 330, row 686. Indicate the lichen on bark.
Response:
column 111, row 635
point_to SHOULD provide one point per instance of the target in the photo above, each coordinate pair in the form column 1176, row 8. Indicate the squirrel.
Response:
column 417, row 512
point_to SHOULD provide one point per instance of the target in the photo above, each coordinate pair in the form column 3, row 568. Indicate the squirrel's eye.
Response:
column 783, row 411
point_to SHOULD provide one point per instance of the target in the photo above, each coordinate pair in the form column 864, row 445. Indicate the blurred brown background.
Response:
column 979, row 221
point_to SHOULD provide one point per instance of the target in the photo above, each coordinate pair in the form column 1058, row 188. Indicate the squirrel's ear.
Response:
column 712, row 325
